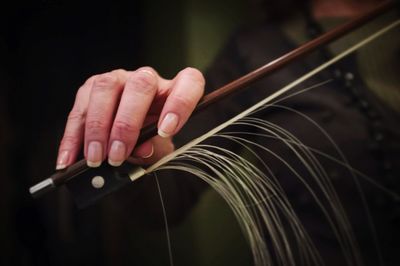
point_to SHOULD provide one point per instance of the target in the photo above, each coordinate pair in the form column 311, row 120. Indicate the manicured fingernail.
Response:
column 94, row 154
column 168, row 125
column 62, row 160
column 145, row 151
column 117, row 153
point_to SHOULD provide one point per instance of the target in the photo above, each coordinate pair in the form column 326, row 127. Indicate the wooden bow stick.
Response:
column 61, row 177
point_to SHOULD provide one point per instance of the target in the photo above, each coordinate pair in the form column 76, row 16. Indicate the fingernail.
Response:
column 149, row 154
column 145, row 151
column 117, row 153
column 62, row 160
column 94, row 154
column 168, row 125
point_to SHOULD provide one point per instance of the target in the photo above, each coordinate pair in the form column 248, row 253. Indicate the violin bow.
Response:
column 90, row 184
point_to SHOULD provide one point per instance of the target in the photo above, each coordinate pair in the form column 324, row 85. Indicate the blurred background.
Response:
column 48, row 48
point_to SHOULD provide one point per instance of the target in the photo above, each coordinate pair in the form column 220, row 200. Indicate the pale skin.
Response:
column 111, row 108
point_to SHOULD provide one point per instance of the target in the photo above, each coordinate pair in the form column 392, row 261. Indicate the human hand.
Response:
column 111, row 108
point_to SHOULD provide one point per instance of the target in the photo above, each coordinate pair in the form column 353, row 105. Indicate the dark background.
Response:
column 48, row 49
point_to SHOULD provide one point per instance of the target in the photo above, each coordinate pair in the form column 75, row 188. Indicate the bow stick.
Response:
column 94, row 177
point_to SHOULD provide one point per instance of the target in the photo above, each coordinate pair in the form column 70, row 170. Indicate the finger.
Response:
column 139, row 92
column 145, row 150
column 187, row 91
column 103, row 102
column 161, row 147
column 73, row 134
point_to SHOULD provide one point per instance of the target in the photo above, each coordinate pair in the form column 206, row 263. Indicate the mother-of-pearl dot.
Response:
column 98, row 181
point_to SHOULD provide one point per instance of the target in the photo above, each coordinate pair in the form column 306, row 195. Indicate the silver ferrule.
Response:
column 136, row 173
column 42, row 187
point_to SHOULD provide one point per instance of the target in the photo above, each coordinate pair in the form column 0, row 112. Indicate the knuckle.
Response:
column 76, row 115
column 184, row 103
column 147, row 69
column 143, row 82
column 90, row 80
column 80, row 93
column 105, row 81
column 118, row 71
column 195, row 75
column 95, row 125
column 123, row 127
column 69, row 140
